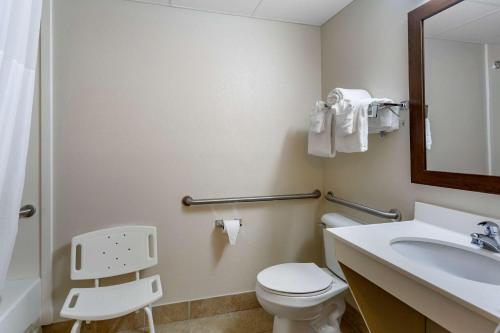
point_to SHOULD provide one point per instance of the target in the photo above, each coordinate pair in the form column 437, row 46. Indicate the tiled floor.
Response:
column 248, row 321
column 239, row 313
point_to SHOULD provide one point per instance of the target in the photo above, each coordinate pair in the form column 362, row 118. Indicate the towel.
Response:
column 348, row 95
column 343, row 102
column 387, row 119
column 358, row 141
column 428, row 134
column 323, row 144
column 317, row 118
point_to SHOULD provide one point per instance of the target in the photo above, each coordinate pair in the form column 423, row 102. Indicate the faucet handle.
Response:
column 490, row 227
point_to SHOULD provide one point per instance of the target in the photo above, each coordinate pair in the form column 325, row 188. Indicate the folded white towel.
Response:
column 387, row 119
column 358, row 141
column 323, row 144
column 345, row 123
column 428, row 134
column 317, row 118
column 343, row 101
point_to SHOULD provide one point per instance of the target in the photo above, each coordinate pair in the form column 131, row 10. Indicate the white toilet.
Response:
column 303, row 297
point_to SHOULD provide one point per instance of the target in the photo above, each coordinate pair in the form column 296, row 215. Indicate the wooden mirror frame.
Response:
column 419, row 172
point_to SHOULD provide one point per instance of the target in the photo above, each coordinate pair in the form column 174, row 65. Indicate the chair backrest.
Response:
column 114, row 251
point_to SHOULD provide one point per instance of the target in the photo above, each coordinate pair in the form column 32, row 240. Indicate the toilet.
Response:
column 303, row 297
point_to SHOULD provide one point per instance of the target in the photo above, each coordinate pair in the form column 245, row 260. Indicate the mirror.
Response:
column 455, row 94
column 462, row 88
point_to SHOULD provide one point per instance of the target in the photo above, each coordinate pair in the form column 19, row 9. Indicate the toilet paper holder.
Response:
column 220, row 223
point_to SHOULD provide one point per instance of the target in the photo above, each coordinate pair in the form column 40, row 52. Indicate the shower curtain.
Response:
column 19, row 32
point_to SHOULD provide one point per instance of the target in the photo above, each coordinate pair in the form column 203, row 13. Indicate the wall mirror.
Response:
column 454, row 54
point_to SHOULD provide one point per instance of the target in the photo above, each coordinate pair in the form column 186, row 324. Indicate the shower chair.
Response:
column 107, row 253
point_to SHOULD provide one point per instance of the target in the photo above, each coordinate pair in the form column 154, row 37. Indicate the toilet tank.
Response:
column 334, row 220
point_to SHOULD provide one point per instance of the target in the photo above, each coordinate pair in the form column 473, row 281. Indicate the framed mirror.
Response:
column 454, row 58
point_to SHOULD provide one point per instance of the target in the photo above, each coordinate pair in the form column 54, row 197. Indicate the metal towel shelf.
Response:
column 376, row 107
column 189, row 201
column 393, row 214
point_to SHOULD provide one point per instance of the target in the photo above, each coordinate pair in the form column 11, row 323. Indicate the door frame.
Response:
column 46, row 162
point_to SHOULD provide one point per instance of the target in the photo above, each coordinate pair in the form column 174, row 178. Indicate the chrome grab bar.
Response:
column 189, row 201
column 393, row 214
column 27, row 211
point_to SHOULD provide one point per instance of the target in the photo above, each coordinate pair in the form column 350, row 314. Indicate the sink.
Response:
column 450, row 258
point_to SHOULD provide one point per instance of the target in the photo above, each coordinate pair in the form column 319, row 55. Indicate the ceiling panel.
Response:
column 234, row 7
column 314, row 12
column 484, row 30
column 457, row 16
column 491, row 2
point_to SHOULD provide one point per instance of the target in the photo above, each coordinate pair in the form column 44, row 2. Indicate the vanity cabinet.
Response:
column 384, row 313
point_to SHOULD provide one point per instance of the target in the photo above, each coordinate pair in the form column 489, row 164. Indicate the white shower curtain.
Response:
column 19, row 32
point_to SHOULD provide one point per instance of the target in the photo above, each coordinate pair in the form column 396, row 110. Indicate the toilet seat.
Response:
column 295, row 280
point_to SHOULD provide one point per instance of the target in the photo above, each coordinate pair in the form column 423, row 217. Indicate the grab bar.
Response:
column 189, row 201
column 393, row 214
column 27, row 211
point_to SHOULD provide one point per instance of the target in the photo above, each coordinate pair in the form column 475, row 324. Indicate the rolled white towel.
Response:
column 348, row 95
column 387, row 119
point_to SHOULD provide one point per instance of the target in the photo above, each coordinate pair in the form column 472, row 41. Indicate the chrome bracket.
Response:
column 220, row 224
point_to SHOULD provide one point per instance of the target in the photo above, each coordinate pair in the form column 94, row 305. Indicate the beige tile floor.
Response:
column 248, row 321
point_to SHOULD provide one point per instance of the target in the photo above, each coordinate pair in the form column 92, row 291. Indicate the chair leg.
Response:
column 76, row 327
column 149, row 314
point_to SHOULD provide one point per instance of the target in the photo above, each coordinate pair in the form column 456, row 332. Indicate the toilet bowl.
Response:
column 303, row 297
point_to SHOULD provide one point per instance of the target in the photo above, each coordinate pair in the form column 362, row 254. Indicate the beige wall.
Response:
column 455, row 90
column 366, row 46
column 152, row 103
column 494, row 105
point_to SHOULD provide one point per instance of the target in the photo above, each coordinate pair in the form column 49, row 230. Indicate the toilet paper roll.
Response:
column 232, row 228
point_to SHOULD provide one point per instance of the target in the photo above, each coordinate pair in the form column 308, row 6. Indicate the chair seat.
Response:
column 113, row 301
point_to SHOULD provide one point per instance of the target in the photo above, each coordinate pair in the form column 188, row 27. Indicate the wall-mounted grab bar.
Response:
column 393, row 214
column 27, row 211
column 189, row 201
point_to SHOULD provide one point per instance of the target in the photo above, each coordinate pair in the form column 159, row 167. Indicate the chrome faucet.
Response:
column 490, row 240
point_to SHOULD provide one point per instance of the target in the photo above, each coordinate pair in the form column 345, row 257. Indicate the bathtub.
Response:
column 20, row 306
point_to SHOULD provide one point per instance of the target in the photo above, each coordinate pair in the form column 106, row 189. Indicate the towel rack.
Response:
column 393, row 214
column 189, row 201
column 376, row 107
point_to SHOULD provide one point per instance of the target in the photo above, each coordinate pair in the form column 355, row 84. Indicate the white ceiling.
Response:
column 475, row 21
column 312, row 12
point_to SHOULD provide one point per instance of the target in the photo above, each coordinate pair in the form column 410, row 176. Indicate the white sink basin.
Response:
column 450, row 258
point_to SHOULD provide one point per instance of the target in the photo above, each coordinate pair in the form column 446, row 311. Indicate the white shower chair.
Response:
column 106, row 253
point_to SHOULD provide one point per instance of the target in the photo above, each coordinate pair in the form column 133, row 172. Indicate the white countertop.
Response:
column 375, row 241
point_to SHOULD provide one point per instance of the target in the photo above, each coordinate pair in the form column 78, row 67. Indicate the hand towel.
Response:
column 428, row 134
column 387, row 119
column 358, row 141
column 342, row 101
column 323, row 144
column 317, row 118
